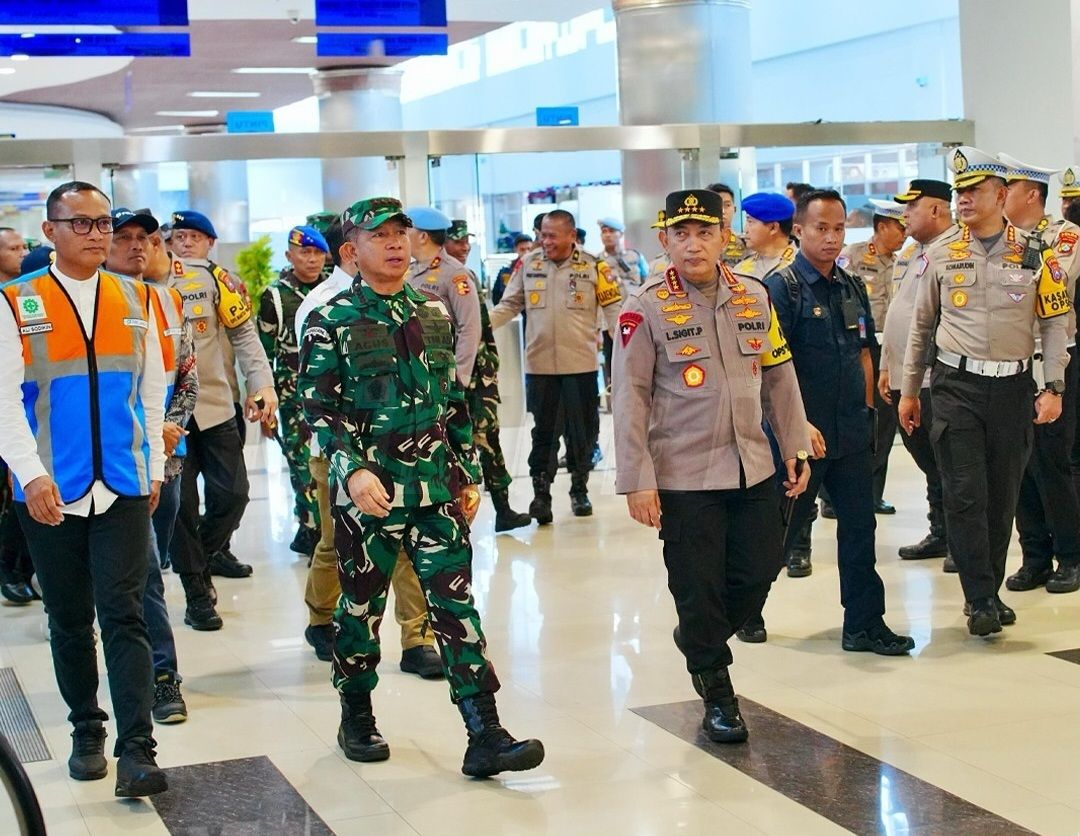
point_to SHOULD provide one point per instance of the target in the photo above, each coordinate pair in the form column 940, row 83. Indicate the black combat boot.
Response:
column 540, row 507
column 357, row 735
column 87, row 761
column 579, row 495
column 933, row 544
column 506, row 517
column 200, row 613
column 722, row 722
column 491, row 747
column 137, row 773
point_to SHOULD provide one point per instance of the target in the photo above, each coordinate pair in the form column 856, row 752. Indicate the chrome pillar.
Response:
column 358, row 99
column 136, row 187
column 679, row 61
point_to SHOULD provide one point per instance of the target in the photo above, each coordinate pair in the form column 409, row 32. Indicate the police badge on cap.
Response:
column 699, row 205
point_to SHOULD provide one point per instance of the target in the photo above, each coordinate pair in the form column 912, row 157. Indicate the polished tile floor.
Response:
column 579, row 622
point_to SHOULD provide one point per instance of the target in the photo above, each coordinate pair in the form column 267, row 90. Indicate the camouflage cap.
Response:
column 321, row 220
column 372, row 213
column 458, row 229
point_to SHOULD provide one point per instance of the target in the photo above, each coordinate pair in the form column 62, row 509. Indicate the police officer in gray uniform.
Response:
column 699, row 362
column 563, row 289
column 437, row 274
column 979, row 304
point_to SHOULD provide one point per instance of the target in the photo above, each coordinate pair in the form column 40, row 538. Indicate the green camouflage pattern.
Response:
column 377, row 378
column 277, row 313
column 483, row 401
column 436, row 539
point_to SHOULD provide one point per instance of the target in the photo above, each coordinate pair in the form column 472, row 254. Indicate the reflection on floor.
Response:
column 579, row 620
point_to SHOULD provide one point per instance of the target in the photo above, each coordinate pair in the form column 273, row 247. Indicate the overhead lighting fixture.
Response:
column 20, row 56
column 27, row 35
column 274, row 70
column 224, row 94
column 156, row 128
column 306, row 39
column 193, row 113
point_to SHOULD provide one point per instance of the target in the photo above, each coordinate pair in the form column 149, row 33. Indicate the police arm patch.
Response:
column 1053, row 296
column 776, row 350
column 607, row 289
column 628, row 323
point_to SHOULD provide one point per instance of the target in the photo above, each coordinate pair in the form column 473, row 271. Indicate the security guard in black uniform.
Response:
column 825, row 313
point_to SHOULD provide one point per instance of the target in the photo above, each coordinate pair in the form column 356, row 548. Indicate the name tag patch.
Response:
column 135, row 323
column 40, row 328
column 173, row 332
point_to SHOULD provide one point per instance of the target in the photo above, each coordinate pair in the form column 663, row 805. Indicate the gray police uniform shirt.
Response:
column 626, row 266
column 218, row 311
column 693, row 379
column 1062, row 236
column 446, row 279
column 758, row 266
column 909, row 271
column 983, row 305
column 561, row 301
column 875, row 268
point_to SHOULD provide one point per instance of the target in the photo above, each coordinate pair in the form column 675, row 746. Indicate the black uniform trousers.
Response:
column 982, row 435
column 98, row 562
column 217, row 454
column 15, row 564
column 885, row 429
column 1048, row 510
column 922, row 450
column 848, row 481
column 569, row 404
column 722, row 550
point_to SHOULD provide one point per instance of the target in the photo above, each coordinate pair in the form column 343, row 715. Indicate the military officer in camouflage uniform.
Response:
column 562, row 289
column 973, row 324
column 873, row 261
column 377, row 372
column 693, row 460
column 735, row 248
column 306, row 254
column 437, row 274
column 482, row 397
column 1048, row 510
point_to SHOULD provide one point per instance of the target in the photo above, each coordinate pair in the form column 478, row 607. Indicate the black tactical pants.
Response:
column 722, row 550
column 569, row 404
column 1048, row 511
column 922, row 451
column 982, row 435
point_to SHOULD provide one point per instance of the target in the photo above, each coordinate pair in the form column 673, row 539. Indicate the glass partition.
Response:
column 22, row 197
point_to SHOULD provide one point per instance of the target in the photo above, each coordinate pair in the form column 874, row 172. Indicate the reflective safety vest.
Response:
column 81, row 395
column 168, row 308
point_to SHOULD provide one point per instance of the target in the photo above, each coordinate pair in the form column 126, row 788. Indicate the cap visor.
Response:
column 382, row 218
column 967, row 181
column 908, row 196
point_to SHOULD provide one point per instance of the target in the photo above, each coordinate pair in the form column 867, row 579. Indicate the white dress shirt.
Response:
column 17, row 444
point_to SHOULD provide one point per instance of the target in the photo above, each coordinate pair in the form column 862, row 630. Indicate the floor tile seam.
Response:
column 336, row 752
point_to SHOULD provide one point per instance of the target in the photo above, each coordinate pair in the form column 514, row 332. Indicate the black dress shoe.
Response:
column 753, row 631
column 423, row 660
column 225, row 564
column 932, row 545
column 1065, row 579
column 827, row 510
column 983, row 619
column 878, row 639
column 883, row 507
column 949, row 566
column 19, row 593
column 1028, row 577
column 1006, row 614
column 87, row 761
column 137, row 773
column 798, row 565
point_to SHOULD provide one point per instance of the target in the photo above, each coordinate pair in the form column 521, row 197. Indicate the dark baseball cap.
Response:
column 699, row 205
column 122, row 217
column 925, row 188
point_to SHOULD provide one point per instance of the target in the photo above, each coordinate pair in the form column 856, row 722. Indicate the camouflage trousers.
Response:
column 436, row 539
column 294, row 436
column 484, row 411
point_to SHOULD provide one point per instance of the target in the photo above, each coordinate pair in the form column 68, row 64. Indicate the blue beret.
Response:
column 36, row 259
column 768, row 207
column 307, row 236
column 190, row 219
column 612, row 223
column 428, row 218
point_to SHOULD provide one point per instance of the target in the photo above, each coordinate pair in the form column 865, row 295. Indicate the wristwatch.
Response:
column 1055, row 387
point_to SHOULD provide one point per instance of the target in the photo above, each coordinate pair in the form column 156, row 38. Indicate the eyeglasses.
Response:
column 82, row 226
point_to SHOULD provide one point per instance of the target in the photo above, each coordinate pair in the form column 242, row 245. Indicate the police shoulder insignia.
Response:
column 1066, row 242
column 462, row 284
column 435, row 262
